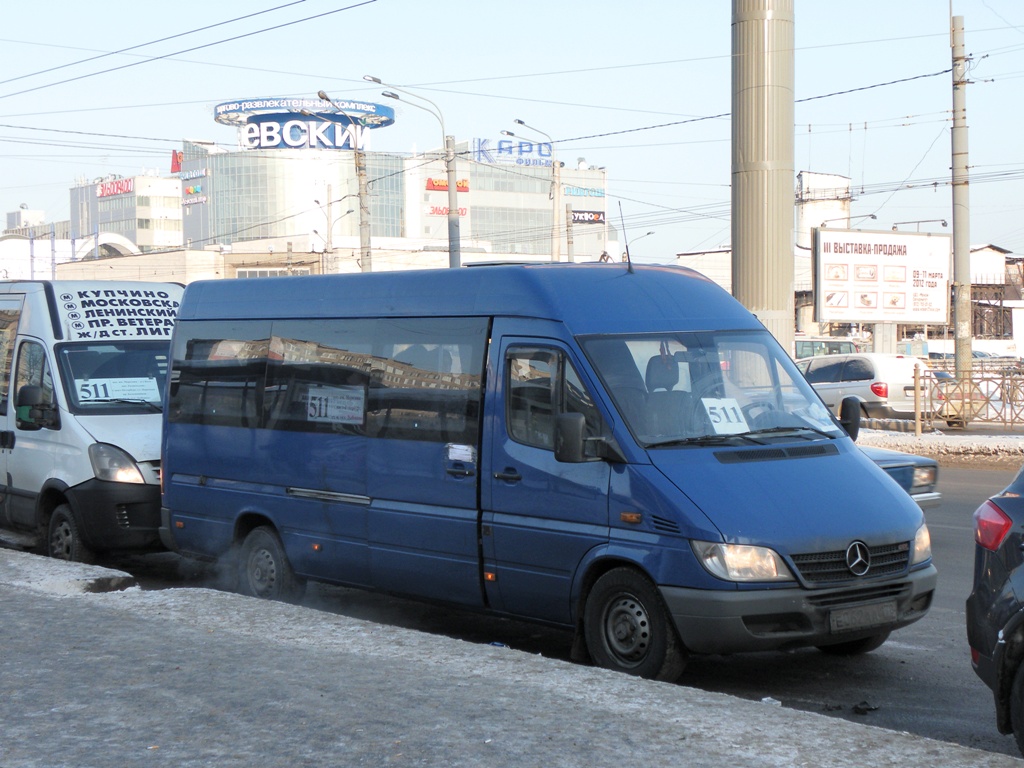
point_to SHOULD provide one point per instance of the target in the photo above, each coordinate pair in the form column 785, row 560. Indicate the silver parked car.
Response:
column 883, row 384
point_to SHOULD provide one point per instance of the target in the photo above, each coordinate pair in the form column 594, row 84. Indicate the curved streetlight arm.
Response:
column 448, row 142
column 551, row 141
column 436, row 111
column 556, row 189
column 919, row 222
column 848, row 219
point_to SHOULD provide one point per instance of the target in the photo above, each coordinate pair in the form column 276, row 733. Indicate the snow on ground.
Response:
column 1006, row 448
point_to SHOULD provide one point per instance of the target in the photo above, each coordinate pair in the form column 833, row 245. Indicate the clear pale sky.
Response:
column 640, row 88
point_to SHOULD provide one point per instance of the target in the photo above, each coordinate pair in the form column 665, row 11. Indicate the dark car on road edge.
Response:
column 995, row 614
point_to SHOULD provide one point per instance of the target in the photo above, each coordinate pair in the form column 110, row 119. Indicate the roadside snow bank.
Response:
column 1005, row 448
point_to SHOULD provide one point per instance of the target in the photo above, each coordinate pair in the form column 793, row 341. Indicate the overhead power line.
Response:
column 144, row 45
column 189, row 50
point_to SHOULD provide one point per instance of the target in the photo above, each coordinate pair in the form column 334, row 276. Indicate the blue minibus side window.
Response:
column 540, row 384
column 218, row 373
column 392, row 378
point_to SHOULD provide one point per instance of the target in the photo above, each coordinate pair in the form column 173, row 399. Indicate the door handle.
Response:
column 461, row 471
column 510, row 475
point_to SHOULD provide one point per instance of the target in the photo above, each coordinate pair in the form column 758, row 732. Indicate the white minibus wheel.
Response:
column 64, row 539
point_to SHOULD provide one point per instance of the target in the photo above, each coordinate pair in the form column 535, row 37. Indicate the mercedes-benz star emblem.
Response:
column 858, row 558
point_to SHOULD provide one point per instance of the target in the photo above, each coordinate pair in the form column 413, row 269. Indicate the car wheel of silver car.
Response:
column 264, row 570
column 628, row 628
column 856, row 647
column 64, row 539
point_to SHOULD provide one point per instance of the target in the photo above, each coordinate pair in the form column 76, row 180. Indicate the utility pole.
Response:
column 454, row 235
column 366, row 262
column 569, row 255
column 962, row 321
column 355, row 137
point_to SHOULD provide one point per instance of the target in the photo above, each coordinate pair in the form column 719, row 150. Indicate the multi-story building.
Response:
column 294, row 185
column 143, row 209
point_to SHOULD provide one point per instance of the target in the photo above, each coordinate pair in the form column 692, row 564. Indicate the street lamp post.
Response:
column 848, row 219
column 556, row 191
column 626, row 256
column 919, row 222
column 366, row 258
column 454, row 238
column 331, row 221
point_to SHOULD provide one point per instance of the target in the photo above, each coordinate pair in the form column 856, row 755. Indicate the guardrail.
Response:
column 994, row 394
column 989, row 396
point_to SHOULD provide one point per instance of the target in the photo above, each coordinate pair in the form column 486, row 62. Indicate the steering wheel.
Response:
column 758, row 414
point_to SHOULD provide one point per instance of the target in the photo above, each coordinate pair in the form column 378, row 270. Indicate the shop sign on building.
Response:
column 588, row 217
column 583, row 192
column 441, row 185
column 517, row 152
column 115, row 187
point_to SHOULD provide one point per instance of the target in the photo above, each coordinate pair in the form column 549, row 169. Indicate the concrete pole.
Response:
column 569, row 254
column 962, row 324
column 762, row 162
column 366, row 260
column 330, row 222
column 556, row 208
column 454, row 237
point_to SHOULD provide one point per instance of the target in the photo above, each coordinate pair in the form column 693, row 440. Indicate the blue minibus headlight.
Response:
column 922, row 545
column 114, row 465
column 739, row 562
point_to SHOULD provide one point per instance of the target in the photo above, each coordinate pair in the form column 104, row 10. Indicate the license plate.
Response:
column 862, row 616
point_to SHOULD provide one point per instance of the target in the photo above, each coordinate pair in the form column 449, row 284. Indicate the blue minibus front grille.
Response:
column 831, row 567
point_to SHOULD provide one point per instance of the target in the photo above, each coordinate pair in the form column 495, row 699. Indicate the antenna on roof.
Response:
column 629, row 264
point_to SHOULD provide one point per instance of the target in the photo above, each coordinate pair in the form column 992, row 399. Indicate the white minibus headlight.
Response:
column 922, row 545
column 923, row 476
column 114, row 465
column 739, row 562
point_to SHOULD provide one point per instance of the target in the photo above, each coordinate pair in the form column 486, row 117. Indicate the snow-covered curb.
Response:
column 1002, row 447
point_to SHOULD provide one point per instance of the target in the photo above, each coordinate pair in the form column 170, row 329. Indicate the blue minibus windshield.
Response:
column 683, row 388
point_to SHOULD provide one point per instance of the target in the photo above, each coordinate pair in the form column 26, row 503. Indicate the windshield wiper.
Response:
column 125, row 401
column 703, row 440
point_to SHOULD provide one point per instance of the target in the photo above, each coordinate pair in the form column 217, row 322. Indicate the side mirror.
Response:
column 30, row 395
column 849, row 416
column 569, row 431
column 33, row 412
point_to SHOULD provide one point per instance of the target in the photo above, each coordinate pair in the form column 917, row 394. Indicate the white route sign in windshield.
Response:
column 725, row 415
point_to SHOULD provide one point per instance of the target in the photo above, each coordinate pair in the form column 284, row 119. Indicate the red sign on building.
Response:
column 115, row 187
column 441, row 185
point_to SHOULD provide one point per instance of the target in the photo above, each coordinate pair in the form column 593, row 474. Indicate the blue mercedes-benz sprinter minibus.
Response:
column 621, row 450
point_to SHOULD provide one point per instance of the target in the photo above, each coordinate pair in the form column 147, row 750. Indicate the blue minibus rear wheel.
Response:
column 264, row 570
column 627, row 627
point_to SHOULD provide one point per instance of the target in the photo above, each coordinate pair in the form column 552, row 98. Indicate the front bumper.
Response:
column 117, row 517
column 721, row 622
column 927, row 500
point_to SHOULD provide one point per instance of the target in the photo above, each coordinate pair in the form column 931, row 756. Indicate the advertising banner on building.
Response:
column 588, row 217
column 881, row 277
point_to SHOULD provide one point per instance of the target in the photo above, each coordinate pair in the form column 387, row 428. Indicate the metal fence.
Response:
column 993, row 394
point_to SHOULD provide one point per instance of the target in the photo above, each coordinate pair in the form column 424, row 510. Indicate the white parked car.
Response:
column 884, row 384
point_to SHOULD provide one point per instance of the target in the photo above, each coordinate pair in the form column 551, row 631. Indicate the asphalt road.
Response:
column 920, row 681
